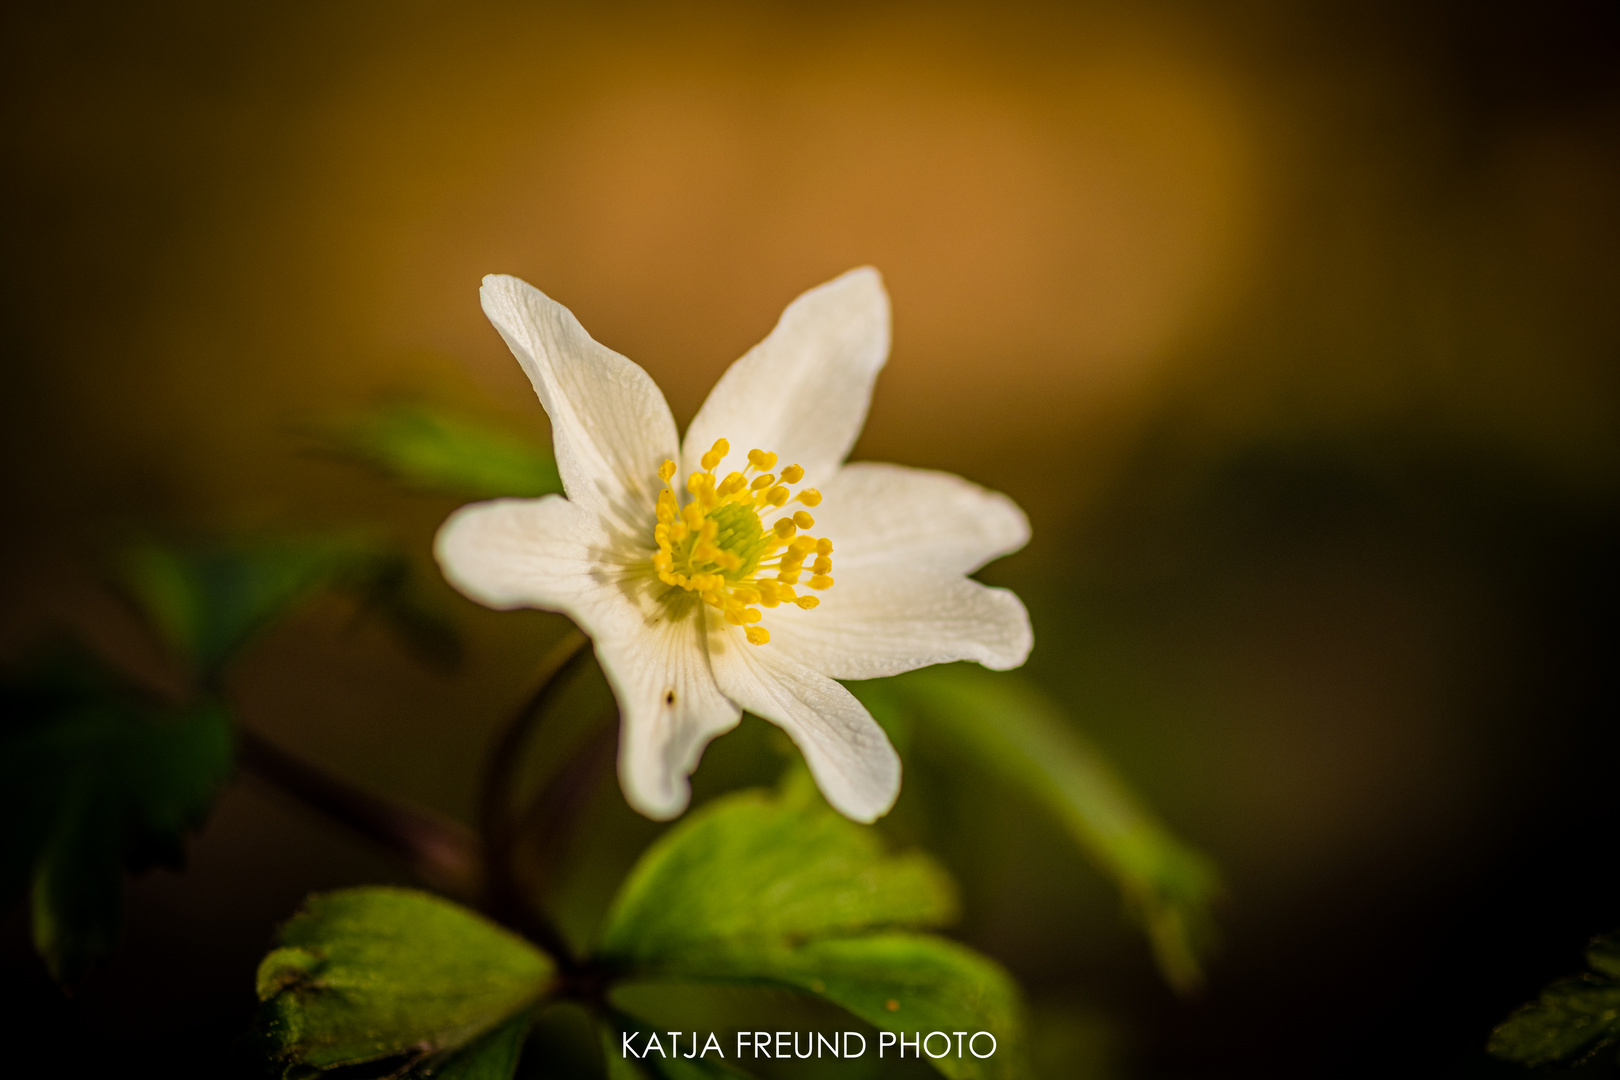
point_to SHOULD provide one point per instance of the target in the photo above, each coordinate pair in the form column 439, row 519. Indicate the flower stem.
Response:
column 444, row 854
column 498, row 822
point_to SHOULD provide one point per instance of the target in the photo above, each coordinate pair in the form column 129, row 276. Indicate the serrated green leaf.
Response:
column 208, row 602
column 369, row 973
column 1572, row 1018
column 95, row 781
column 431, row 450
column 1004, row 723
column 755, row 868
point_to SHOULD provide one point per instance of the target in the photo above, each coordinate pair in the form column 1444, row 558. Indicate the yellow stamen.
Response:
column 720, row 547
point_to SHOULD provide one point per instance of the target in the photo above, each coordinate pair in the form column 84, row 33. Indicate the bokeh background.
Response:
column 1295, row 328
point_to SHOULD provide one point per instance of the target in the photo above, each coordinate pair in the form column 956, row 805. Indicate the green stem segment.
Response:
column 505, row 898
column 445, row 854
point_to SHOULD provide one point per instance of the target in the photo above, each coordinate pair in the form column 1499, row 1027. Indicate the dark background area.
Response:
column 1295, row 328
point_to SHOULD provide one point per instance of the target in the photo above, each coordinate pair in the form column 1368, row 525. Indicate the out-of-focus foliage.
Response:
column 94, row 781
column 1008, row 726
column 493, row 1057
column 425, row 448
column 209, row 602
column 97, row 778
column 780, row 890
column 373, row 973
column 1573, row 1018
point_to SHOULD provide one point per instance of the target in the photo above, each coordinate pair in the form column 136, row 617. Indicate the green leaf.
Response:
column 1004, row 723
column 780, row 890
column 755, row 868
column 1573, row 1018
column 370, row 973
column 423, row 448
column 493, row 1057
column 208, row 602
column 94, row 781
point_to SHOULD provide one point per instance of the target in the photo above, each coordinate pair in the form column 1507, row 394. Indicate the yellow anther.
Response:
column 717, row 548
column 717, row 453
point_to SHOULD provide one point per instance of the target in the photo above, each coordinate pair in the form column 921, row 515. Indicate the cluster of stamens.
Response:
column 719, row 547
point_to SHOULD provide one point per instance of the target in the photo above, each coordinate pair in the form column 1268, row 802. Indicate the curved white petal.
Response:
column 880, row 620
column 509, row 553
column 889, row 513
column 803, row 392
column 848, row 753
column 669, row 700
column 610, row 425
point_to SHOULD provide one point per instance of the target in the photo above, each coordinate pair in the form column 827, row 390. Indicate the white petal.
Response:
column 552, row 554
column 886, row 513
column 803, row 392
column 848, row 753
column 670, row 703
column 880, row 620
column 610, row 425
column 509, row 553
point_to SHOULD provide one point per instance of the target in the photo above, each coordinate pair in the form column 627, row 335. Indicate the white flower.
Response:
column 690, row 590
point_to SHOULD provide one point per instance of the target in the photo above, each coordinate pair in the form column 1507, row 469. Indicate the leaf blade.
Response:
column 1031, row 745
column 368, row 973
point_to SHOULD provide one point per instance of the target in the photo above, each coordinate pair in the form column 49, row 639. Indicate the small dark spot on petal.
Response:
column 669, row 697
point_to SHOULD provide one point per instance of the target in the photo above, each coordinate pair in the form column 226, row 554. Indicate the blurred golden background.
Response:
column 1294, row 328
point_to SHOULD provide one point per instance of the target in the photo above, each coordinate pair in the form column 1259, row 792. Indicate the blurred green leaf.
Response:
column 208, row 602
column 1573, row 1018
column 371, row 973
column 1006, row 724
column 780, row 890
column 493, row 1057
column 95, row 780
column 423, row 448
column 756, row 868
